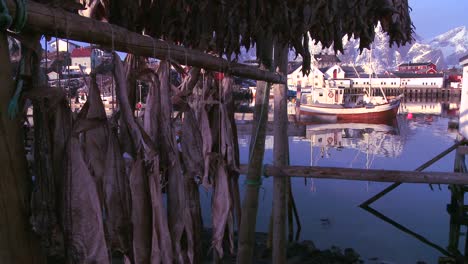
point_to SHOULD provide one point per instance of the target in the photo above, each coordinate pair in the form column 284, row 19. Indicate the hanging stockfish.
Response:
column 117, row 202
column 85, row 241
column 161, row 239
column 129, row 73
column 221, row 209
column 152, row 108
column 192, row 160
column 179, row 187
column 225, row 181
column 191, row 138
column 151, row 239
column 141, row 205
column 95, row 139
column 233, row 168
column 106, row 165
column 202, row 109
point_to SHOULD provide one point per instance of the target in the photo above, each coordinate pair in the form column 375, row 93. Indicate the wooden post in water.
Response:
column 280, row 158
column 256, row 152
column 18, row 244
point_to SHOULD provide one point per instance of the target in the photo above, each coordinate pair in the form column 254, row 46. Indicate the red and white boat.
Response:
column 334, row 104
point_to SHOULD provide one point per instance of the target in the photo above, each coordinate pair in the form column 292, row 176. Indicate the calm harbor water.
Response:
column 329, row 209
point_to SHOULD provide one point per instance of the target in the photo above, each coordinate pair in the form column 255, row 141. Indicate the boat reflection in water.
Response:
column 371, row 139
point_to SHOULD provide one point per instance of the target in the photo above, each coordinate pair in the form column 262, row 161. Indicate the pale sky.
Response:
column 434, row 17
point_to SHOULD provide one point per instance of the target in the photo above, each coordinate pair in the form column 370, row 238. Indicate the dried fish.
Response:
column 221, row 208
column 85, row 239
column 180, row 216
column 141, row 209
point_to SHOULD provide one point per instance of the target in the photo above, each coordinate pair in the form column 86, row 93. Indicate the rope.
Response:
column 14, row 102
column 257, row 182
column 7, row 22
column 5, row 18
column 20, row 19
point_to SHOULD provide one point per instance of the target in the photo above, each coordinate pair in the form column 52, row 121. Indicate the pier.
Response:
column 414, row 92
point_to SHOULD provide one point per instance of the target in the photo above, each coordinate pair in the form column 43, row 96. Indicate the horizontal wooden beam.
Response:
column 364, row 174
column 57, row 22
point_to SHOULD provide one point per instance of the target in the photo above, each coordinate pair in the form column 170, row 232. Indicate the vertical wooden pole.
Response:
column 257, row 150
column 18, row 244
column 280, row 158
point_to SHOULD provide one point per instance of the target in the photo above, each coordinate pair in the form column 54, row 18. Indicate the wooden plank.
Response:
column 59, row 23
column 280, row 158
column 246, row 241
column 375, row 175
column 294, row 129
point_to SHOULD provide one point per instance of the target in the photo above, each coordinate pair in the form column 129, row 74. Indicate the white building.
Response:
column 379, row 81
column 315, row 78
column 410, row 80
column 333, row 72
column 62, row 45
column 83, row 57
column 463, row 123
column 318, row 78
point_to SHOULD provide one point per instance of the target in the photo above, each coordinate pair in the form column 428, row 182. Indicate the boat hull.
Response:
column 377, row 113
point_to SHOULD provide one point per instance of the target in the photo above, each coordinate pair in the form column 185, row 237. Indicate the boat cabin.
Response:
column 324, row 96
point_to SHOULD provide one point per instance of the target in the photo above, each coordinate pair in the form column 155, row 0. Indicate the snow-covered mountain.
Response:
column 453, row 44
column 443, row 50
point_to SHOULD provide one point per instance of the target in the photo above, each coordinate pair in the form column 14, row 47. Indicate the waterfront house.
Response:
column 84, row 57
column 417, row 80
column 388, row 80
column 62, row 45
column 418, row 68
column 316, row 78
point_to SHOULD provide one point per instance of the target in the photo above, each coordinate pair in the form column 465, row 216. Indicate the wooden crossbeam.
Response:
column 376, row 175
column 57, row 22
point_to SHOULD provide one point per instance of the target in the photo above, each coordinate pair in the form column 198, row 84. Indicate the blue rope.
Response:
column 20, row 19
column 5, row 18
column 13, row 106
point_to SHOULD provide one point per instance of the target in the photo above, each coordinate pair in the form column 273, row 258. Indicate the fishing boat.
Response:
column 335, row 103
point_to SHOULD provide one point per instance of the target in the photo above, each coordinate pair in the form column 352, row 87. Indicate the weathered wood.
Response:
column 365, row 174
column 18, row 244
column 280, row 158
column 462, row 150
column 254, row 169
column 64, row 24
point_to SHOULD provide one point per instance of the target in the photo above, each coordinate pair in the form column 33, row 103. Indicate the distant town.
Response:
column 328, row 71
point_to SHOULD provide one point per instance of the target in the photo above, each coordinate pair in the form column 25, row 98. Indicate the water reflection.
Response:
column 329, row 209
column 373, row 140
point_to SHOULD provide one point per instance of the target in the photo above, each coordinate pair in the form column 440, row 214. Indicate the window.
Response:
column 320, row 94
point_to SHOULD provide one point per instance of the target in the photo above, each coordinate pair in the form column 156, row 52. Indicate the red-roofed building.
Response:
column 81, row 56
column 419, row 68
